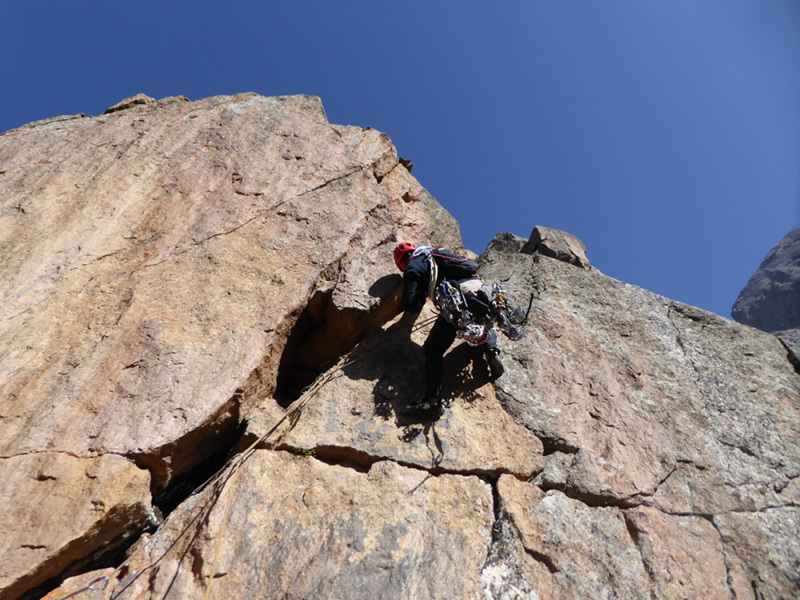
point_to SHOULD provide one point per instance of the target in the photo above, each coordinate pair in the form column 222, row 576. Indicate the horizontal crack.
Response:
column 595, row 500
column 551, row 445
column 762, row 509
column 194, row 243
column 228, row 232
column 89, row 456
column 362, row 461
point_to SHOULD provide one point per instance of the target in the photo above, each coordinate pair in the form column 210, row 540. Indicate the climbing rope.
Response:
column 222, row 530
column 232, row 466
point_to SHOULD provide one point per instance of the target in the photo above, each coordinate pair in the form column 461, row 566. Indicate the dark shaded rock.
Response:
column 506, row 243
column 771, row 299
column 791, row 340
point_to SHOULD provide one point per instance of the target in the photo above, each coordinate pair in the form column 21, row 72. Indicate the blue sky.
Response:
column 665, row 135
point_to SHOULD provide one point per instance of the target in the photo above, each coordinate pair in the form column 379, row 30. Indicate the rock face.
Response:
column 58, row 506
column 557, row 244
column 174, row 273
column 163, row 268
column 680, row 419
column 771, row 299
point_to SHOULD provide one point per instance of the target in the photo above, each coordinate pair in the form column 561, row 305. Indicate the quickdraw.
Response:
column 477, row 329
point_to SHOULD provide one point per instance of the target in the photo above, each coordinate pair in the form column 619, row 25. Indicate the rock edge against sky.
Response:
column 175, row 272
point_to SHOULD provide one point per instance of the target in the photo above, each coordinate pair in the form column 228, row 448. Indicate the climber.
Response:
column 424, row 269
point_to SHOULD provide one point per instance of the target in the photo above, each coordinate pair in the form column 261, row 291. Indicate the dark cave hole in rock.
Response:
column 183, row 485
column 110, row 555
column 321, row 335
column 295, row 372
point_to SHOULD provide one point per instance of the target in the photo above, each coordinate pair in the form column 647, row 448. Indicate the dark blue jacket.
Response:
column 416, row 279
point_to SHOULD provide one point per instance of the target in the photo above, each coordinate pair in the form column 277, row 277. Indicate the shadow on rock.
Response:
column 395, row 364
column 386, row 285
column 465, row 372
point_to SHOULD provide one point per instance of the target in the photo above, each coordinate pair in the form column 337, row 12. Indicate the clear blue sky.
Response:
column 665, row 135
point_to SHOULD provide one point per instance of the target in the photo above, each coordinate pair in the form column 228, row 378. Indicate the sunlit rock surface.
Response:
column 175, row 273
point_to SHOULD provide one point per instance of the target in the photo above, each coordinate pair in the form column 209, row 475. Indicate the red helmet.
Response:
column 402, row 254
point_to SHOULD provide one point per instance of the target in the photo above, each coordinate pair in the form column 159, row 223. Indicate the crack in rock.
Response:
column 347, row 456
column 502, row 576
column 726, row 560
column 109, row 554
column 791, row 355
column 671, row 310
column 635, row 534
column 330, row 181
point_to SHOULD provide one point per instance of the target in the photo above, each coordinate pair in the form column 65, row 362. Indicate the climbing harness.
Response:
column 476, row 329
column 511, row 322
column 453, row 305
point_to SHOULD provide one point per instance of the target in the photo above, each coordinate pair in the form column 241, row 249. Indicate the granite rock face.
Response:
column 557, row 244
column 771, row 299
column 677, row 417
column 56, row 507
column 163, row 267
column 322, row 531
column 175, row 273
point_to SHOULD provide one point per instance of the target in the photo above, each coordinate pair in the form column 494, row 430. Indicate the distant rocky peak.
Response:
column 771, row 299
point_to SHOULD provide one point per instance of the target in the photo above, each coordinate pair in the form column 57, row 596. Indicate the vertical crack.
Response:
column 727, row 561
column 791, row 354
column 636, row 537
column 679, row 337
column 502, row 575
column 296, row 371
